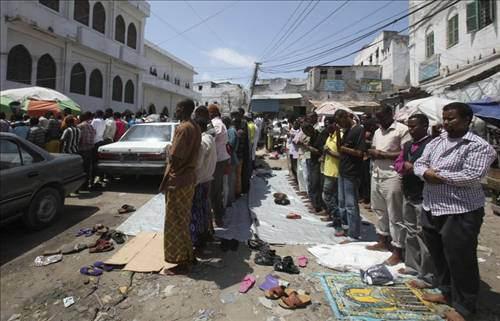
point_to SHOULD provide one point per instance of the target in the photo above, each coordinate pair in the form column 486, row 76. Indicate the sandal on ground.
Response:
column 295, row 301
column 275, row 293
column 284, row 201
column 100, row 229
column 280, row 196
column 85, row 231
column 118, row 237
column 126, row 209
column 293, row 216
column 104, row 246
column 103, row 266
column 286, row 266
column 256, row 244
column 90, row 270
column 267, row 258
column 73, row 248
column 247, row 283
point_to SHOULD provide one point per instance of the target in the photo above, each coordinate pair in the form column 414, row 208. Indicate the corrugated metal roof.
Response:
column 278, row 96
column 349, row 104
column 265, row 106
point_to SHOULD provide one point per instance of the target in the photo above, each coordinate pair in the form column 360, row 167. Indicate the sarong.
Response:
column 200, row 217
column 178, row 247
column 52, row 146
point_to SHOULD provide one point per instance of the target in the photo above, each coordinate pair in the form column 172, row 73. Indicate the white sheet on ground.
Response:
column 151, row 217
column 270, row 222
column 348, row 257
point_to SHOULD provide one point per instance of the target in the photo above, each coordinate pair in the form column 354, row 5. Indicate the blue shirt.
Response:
column 233, row 141
column 20, row 129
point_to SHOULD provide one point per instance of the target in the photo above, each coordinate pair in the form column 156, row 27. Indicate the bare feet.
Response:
column 435, row 298
column 419, row 284
column 340, row 233
column 379, row 246
column 394, row 259
column 453, row 315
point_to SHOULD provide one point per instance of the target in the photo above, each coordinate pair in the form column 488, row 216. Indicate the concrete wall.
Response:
column 471, row 46
column 227, row 95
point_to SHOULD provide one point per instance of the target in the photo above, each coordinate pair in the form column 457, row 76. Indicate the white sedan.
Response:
column 142, row 150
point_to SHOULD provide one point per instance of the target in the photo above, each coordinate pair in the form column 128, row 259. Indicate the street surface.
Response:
column 210, row 292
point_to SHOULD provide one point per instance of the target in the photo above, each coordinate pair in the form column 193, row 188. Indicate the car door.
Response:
column 19, row 174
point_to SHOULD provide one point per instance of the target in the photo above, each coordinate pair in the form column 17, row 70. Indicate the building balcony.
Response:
column 162, row 84
column 94, row 40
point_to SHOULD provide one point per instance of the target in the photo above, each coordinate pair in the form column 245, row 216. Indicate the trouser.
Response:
column 364, row 188
column 302, row 175
column 216, row 190
column 314, row 187
column 245, row 174
column 87, row 165
column 330, row 198
column 231, row 185
column 94, row 158
column 237, row 180
column 452, row 242
column 348, row 205
column 417, row 256
column 293, row 166
column 387, row 203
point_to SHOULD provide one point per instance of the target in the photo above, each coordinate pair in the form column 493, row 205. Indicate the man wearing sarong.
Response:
column 178, row 185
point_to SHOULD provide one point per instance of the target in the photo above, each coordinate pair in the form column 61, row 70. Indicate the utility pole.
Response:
column 254, row 79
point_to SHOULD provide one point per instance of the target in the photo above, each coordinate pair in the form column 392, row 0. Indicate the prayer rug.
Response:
column 351, row 299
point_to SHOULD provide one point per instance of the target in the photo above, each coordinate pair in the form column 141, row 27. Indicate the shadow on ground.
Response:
column 488, row 309
column 16, row 239
column 133, row 184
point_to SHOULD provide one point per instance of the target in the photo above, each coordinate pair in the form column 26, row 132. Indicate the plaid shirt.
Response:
column 36, row 135
column 462, row 164
column 87, row 135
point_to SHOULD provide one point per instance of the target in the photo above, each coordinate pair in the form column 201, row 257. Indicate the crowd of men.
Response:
column 72, row 134
column 424, row 187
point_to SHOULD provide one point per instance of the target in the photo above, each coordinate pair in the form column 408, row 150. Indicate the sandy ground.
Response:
column 209, row 292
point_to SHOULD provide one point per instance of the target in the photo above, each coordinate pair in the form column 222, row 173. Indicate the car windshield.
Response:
column 140, row 133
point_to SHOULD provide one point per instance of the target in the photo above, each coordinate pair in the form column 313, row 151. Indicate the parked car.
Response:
column 142, row 150
column 33, row 182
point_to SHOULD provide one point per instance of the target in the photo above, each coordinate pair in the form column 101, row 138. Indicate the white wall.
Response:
column 469, row 47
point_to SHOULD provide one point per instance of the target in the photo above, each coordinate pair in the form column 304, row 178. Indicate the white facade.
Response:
column 461, row 40
column 99, row 42
column 389, row 50
column 227, row 95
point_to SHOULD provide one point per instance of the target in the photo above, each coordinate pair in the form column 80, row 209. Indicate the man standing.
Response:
column 315, row 148
column 331, row 174
column 351, row 147
column 216, row 192
column 178, row 185
column 53, row 135
column 110, row 127
column 121, row 126
column 86, row 146
column 245, row 152
column 4, row 124
column 19, row 127
column 36, row 134
column 417, row 257
column 70, row 137
column 452, row 166
column 386, row 193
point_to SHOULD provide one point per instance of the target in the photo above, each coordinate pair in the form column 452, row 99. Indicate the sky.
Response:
column 223, row 39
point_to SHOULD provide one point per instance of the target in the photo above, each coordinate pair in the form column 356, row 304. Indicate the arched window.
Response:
column 78, row 77
column 152, row 109
column 95, row 83
column 117, row 89
column 52, row 4
column 46, row 72
column 120, row 29
column 129, row 92
column 131, row 36
column 165, row 111
column 19, row 65
column 82, row 11
column 99, row 18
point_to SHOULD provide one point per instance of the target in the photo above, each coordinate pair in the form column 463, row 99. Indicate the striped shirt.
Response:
column 462, row 163
column 36, row 135
column 71, row 139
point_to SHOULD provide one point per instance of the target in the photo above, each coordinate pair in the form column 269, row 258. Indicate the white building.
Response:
column 458, row 47
column 227, row 95
column 389, row 50
column 93, row 51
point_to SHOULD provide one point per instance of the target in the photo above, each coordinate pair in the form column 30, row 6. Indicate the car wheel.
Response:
column 44, row 208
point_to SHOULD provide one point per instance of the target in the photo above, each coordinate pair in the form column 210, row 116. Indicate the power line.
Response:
column 333, row 12
column 350, row 42
column 279, row 32
column 207, row 25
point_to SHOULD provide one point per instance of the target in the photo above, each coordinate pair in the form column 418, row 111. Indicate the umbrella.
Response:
column 38, row 100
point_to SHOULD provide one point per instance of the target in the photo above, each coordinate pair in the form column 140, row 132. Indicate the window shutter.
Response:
column 450, row 32
column 472, row 17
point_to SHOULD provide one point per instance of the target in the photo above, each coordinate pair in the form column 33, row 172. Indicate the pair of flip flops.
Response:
column 87, row 232
column 281, row 199
column 247, row 283
column 101, row 246
column 96, row 269
column 126, row 209
column 289, row 298
column 267, row 257
column 293, row 216
column 117, row 236
column 286, row 265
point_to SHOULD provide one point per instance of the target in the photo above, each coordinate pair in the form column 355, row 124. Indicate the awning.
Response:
column 486, row 108
column 264, row 106
column 329, row 107
column 277, row 96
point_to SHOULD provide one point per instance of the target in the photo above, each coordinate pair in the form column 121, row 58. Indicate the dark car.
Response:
column 33, row 182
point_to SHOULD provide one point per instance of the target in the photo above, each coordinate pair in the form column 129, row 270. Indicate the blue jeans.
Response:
column 330, row 197
column 348, row 205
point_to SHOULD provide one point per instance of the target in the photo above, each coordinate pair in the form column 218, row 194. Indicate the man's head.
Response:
column 227, row 121
column 308, row 129
column 86, row 116
column 235, row 115
column 34, row 121
column 249, row 117
column 99, row 114
column 2, row 115
column 117, row 115
column 241, row 111
column 385, row 117
column 343, row 119
column 202, row 112
column 184, row 109
column 26, row 117
column 312, row 117
column 456, row 119
column 67, row 111
column 48, row 115
column 213, row 111
column 296, row 124
column 202, row 122
column 418, row 125
column 330, row 124
column 69, row 121
column 109, row 112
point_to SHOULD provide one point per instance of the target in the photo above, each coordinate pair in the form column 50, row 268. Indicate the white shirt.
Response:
column 44, row 122
column 99, row 126
column 110, row 129
column 207, row 159
column 390, row 140
column 220, row 139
